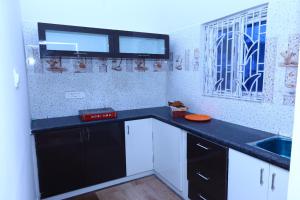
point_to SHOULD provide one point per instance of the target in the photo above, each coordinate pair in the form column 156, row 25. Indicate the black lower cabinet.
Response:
column 60, row 156
column 70, row 159
column 105, row 153
column 207, row 169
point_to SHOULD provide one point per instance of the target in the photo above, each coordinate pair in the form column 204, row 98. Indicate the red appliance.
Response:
column 97, row 114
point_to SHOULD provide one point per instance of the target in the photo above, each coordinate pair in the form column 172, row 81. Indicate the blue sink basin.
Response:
column 278, row 145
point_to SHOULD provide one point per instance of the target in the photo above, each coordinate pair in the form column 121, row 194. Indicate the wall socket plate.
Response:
column 74, row 95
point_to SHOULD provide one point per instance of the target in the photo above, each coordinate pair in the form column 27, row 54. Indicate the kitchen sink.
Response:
column 278, row 145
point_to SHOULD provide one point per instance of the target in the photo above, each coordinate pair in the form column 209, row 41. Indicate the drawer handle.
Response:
column 261, row 176
column 273, row 181
column 202, row 197
column 203, row 147
column 202, row 176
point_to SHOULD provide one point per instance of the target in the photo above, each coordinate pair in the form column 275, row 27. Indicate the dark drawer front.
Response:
column 200, row 148
column 211, row 168
column 207, row 169
column 200, row 191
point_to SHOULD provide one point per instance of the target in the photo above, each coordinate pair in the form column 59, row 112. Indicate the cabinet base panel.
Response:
column 99, row 186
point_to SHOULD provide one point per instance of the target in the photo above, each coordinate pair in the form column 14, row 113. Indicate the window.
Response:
column 234, row 55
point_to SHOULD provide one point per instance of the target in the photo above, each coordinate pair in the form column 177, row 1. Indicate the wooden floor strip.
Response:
column 148, row 188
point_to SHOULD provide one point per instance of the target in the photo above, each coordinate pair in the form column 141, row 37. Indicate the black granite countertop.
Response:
column 220, row 132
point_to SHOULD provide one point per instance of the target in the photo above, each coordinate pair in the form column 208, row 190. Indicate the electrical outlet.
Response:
column 74, row 95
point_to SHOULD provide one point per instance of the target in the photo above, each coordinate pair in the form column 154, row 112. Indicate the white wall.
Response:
column 294, row 180
column 16, row 170
column 136, row 15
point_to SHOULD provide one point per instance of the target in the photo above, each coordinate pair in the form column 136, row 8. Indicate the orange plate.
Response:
column 198, row 118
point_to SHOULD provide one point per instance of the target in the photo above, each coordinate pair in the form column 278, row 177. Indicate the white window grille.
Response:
column 234, row 55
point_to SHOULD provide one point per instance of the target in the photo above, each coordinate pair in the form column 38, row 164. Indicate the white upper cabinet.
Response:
column 252, row 179
column 168, row 153
column 139, row 146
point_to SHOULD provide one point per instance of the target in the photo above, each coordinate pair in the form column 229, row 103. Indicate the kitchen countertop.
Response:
column 220, row 132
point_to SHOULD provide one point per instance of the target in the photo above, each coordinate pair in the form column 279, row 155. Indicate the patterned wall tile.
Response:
column 54, row 65
column 139, row 65
column 117, row 65
column 187, row 59
column 129, row 65
column 291, row 77
column 178, row 62
column 196, row 62
column 270, row 63
column 100, row 65
column 82, row 65
column 289, row 100
column 171, row 62
column 290, row 57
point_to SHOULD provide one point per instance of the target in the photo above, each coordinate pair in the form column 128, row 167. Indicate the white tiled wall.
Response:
column 121, row 91
column 129, row 89
column 105, row 83
column 275, row 115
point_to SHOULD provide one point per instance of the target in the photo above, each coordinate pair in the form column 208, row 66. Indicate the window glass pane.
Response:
column 255, row 31
column 262, row 48
column 254, row 63
column 249, row 30
column 229, row 52
column 76, row 41
column 224, row 50
column 260, row 82
column 219, row 55
column 141, row 45
column 263, row 29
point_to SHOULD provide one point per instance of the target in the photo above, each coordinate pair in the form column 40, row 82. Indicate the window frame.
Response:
column 213, row 69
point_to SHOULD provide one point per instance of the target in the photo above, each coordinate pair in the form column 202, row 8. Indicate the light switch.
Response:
column 74, row 95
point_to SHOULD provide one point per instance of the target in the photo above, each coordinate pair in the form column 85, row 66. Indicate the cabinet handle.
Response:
column 128, row 133
column 202, row 176
column 88, row 134
column 80, row 53
column 203, row 147
column 261, row 176
column 144, row 55
column 81, row 140
column 273, row 181
column 202, row 197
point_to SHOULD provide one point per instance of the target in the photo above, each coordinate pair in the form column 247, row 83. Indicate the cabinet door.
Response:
column 104, row 153
column 139, row 146
column 247, row 177
column 168, row 158
column 60, row 161
column 278, row 183
column 62, row 40
column 142, row 45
